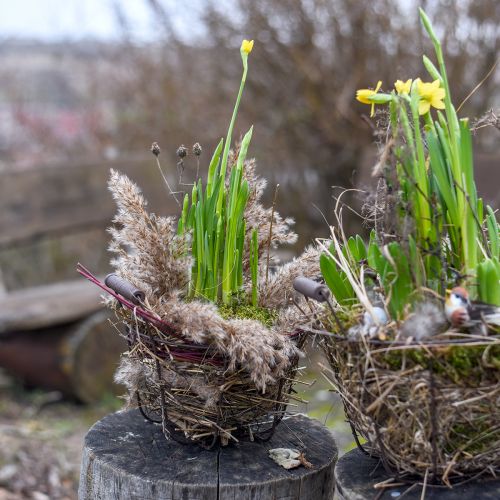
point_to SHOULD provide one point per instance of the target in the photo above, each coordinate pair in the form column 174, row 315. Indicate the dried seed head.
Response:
column 182, row 151
column 197, row 149
column 155, row 149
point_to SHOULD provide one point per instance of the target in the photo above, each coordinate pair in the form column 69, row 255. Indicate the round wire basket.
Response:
column 191, row 389
column 428, row 409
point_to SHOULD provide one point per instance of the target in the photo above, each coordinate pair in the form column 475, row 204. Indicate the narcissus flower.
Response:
column 431, row 94
column 246, row 46
column 403, row 88
column 363, row 95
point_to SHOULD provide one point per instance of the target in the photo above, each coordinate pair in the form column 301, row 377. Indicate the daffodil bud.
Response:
column 428, row 27
column 246, row 47
column 194, row 195
column 403, row 88
column 431, row 69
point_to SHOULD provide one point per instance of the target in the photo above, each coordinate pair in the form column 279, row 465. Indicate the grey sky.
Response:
column 75, row 19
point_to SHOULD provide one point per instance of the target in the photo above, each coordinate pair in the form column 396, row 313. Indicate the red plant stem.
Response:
column 163, row 326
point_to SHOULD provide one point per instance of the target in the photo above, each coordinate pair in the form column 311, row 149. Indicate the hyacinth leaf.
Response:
column 467, row 161
column 376, row 260
column 212, row 169
column 488, row 274
column 336, row 280
column 394, row 273
column 493, row 233
column 417, row 268
column 184, row 216
column 361, row 248
column 480, row 209
column 431, row 69
column 442, row 175
column 355, row 250
column 401, row 285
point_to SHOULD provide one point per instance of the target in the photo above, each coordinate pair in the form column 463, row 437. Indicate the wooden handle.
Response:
column 311, row 289
column 124, row 288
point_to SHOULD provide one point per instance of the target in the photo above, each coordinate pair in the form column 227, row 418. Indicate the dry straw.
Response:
column 429, row 408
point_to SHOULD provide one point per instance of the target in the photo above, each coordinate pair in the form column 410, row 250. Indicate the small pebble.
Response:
column 38, row 495
column 7, row 472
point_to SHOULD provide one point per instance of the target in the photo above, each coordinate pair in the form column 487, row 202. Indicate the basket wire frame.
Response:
column 260, row 431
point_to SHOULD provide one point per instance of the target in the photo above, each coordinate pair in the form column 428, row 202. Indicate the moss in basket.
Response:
column 244, row 311
column 461, row 365
column 469, row 437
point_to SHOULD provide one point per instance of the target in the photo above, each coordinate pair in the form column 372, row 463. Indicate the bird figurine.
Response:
column 461, row 312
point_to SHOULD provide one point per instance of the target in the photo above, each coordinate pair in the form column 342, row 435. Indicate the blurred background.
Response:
column 88, row 85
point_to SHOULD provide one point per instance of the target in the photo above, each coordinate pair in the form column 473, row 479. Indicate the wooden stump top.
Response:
column 127, row 457
column 356, row 474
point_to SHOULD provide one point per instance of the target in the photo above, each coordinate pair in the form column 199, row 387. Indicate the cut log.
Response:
column 49, row 305
column 127, row 457
column 78, row 359
column 356, row 474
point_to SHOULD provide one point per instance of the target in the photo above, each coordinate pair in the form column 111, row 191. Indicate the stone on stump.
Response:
column 127, row 457
column 356, row 474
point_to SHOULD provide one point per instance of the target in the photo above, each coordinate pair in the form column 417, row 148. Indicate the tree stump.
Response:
column 127, row 457
column 356, row 474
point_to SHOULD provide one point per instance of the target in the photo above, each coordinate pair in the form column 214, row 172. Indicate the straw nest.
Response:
column 195, row 392
column 426, row 409
column 207, row 374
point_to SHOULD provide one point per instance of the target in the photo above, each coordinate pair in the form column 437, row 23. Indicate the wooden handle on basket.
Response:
column 124, row 288
column 311, row 289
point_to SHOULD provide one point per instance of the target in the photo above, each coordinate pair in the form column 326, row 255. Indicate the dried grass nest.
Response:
column 200, row 394
column 426, row 409
column 206, row 376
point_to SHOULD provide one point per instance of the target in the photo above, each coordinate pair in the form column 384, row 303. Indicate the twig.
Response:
column 469, row 95
column 424, row 487
column 166, row 181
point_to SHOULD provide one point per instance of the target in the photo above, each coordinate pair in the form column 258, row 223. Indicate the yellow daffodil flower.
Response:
column 246, row 46
column 431, row 94
column 403, row 88
column 362, row 95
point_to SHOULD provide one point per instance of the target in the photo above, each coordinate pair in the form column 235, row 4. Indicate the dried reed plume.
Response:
column 149, row 253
